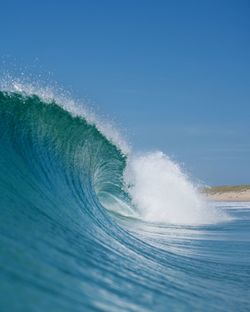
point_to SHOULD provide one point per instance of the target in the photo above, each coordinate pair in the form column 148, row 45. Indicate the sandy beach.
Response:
column 229, row 193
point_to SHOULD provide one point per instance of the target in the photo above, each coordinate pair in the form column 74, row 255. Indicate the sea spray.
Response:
column 54, row 94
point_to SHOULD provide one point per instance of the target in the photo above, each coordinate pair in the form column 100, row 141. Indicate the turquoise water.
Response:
column 67, row 245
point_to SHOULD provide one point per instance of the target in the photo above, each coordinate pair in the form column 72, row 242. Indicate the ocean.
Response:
column 88, row 225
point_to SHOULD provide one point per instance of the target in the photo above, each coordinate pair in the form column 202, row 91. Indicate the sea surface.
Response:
column 85, row 226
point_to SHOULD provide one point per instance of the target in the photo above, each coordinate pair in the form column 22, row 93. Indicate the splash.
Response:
column 163, row 193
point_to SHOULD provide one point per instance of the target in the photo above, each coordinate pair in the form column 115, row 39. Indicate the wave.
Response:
column 59, row 145
column 86, row 224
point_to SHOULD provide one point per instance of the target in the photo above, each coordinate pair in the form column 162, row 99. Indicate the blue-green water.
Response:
column 61, row 250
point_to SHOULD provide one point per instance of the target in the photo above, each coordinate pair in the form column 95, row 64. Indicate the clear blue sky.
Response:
column 174, row 74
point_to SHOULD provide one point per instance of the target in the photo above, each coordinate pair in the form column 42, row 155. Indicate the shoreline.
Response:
column 237, row 193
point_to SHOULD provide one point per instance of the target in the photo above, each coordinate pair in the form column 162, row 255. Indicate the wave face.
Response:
column 86, row 226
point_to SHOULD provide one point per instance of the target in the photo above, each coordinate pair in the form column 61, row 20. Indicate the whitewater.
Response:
column 87, row 224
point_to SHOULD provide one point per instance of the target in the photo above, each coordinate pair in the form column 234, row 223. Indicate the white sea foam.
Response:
column 163, row 193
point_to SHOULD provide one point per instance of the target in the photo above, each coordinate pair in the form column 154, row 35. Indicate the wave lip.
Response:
column 57, row 95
